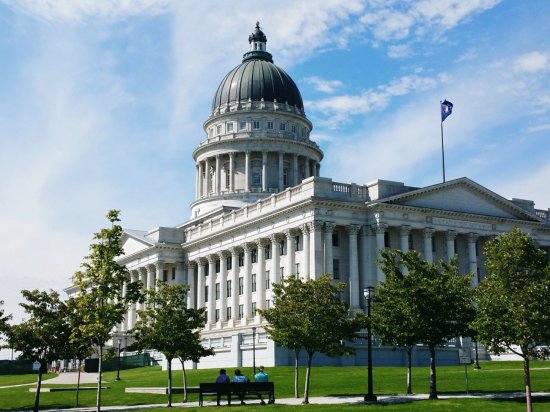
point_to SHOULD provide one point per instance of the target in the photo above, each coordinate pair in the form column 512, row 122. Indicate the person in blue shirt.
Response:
column 261, row 376
column 222, row 378
column 240, row 378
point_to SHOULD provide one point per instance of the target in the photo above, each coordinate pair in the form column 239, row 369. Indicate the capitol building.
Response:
column 263, row 211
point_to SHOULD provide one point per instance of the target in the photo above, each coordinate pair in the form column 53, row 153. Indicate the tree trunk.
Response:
column 99, row 371
column 433, row 381
column 184, row 380
column 169, row 361
column 308, row 373
column 409, row 370
column 527, row 379
column 296, row 366
column 38, row 386
column 78, row 382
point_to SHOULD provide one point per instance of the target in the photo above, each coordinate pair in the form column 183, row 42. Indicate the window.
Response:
column 256, row 178
column 229, row 263
column 241, row 285
column 206, row 293
column 206, row 270
column 241, row 311
column 267, row 252
column 174, row 273
column 256, row 124
column 228, row 289
column 267, row 280
column 282, row 249
column 303, row 132
column 285, row 177
column 228, row 312
column 242, row 125
column 270, row 125
column 253, row 308
column 217, row 315
column 254, row 255
column 206, row 316
column 241, row 259
column 293, row 128
column 217, row 291
column 253, row 282
column 217, row 266
column 386, row 239
column 433, row 245
column 336, row 269
column 165, row 275
column 297, row 244
column 282, row 127
column 211, row 132
column 297, row 269
column 411, row 245
column 219, row 129
column 229, row 127
column 267, row 304
column 335, row 239
column 282, row 269
column 227, row 177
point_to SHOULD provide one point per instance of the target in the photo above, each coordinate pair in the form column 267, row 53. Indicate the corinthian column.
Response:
column 211, row 286
column 260, row 281
column 290, row 252
column 329, row 228
column 380, row 230
column 191, row 295
column 305, row 252
column 428, row 246
column 450, row 236
column 472, row 257
column 246, row 281
column 355, row 290
column 275, row 268
column 223, row 284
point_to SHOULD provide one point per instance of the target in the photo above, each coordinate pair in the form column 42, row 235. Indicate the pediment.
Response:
column 134, row 242
column 462, row 195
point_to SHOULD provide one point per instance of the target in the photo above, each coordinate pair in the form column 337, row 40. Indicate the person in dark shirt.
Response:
column 222, row 378
column 240, row 378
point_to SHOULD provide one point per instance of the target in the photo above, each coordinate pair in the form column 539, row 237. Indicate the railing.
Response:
column 543, row 214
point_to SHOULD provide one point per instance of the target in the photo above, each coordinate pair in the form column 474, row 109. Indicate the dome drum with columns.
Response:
column 262, row 212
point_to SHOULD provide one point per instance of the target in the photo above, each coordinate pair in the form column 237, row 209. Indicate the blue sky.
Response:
column 102, row 104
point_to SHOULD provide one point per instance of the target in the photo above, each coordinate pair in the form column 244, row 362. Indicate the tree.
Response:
column 310, row 315
column 44, row 336
column 394, row 320
column 4, row 319
column 441, row 300
column 514, row 300
column 100, row 299
column 169, row 326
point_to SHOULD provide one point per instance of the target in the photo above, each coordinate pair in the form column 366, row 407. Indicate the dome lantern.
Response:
column 257, row 39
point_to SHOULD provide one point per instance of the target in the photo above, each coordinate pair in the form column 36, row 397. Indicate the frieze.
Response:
column 461, row 223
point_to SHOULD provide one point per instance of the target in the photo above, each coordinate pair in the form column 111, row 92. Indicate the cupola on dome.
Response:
column 257, row 79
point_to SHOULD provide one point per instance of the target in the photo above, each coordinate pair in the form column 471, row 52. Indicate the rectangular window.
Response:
column 217, row 315
column 253, row 282
column 303, row 132
column 227, row 178
column 211, row 132
column 241, row 259
column 242, row 125
column 336, row 268
column 267, row 252
column 206, row 293
column 229, row 127
column 297, row 243
column 217, row 264
column 229, row 263
column 219, row 129
column 297, row 269
column 206, row 270
column 282, row 248
column 173, row 273
column 165, row 275
column 270, row 125
column 228, row 312
column 267, row 280
column 293, row 128
column 285, row 177
column 253, row 308
column 241, row 285
column 254, row 255
column 256, row 178
column 228, row 288
column 335, row 239
column 411, row 245
column 433, row 244
column 387, row 239
column 282, row 269
column 217, row 291
column 256, row 124
column 241, row 311
column 206, row 316
column 282, row 127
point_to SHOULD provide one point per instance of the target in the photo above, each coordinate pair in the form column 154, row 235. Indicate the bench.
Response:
column 240, row 390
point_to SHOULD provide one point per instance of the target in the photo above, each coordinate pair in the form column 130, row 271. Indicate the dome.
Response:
column 257, row 79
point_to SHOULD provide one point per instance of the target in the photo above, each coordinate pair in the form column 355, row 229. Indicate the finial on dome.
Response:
column 257, row 39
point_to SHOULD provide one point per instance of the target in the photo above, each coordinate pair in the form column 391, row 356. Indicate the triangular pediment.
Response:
column 464, row 196
column 134, row 241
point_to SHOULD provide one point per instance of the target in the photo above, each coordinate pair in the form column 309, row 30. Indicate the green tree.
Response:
column 310, row 315
column 514, row 300
column 100, row 299
column 441, row 301
column 44, row 336
column 4, row 319
column 169, row 326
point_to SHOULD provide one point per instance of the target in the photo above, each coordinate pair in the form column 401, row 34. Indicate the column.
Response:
column 197, row 182
column 207, row 177
column 247, row 280
column 318, row 169
column 275, row 267
column 472, row 257
column 234, row 283
column 143, row 278
column 451, row 236
column 316, row 255
column 428, row 247
column 305, row 251
column 295, row 180
column 211, row 288
column 281, row 167
column 380, row 230
column 180, row 273
column 218, row 175
column 191, row 294
column 223, row 285
column 354, row 289
column 290, row 252
column 200, row 283
column 231, row 172
column 260, row 274
column 131, row 316
column 307, row 169
column 404, row 238
column 201, row 183
column 367, row 277
column 159, row 266
column 247, row 171
column 329, row 228
column 151, row 271
column 264, row 171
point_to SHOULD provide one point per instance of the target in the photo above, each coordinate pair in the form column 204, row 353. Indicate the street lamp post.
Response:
column 254, row 349
column 368, row 293
column 477, row 357
column 118, row 367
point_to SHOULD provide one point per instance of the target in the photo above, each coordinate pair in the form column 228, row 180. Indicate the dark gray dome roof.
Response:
column 257, row 78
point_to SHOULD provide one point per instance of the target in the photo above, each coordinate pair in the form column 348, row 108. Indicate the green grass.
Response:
column 493, row 377
column 21, row 379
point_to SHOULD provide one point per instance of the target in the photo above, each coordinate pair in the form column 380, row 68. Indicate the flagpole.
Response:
column 442, row 151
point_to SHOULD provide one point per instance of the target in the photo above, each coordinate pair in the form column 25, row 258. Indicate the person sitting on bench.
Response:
column 222, row 378
column 240, row 378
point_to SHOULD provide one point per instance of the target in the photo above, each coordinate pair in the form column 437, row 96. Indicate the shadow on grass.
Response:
column 521, row 399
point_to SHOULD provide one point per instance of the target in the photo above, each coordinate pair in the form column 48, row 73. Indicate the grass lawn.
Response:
column 493, row 377
column 20, row 379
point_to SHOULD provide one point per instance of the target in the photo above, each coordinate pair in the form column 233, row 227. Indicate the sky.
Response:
column 102, row 104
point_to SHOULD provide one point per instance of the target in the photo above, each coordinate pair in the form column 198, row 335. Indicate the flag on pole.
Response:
column 446, row 109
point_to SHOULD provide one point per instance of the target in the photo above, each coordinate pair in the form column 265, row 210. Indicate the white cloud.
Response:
column 323, row 85
column 532, row 62
column 399, row 51
column 538, row 128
